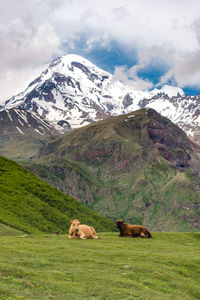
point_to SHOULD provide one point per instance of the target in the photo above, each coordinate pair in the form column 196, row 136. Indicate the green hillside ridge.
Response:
column 139, row 166
column 31, row 205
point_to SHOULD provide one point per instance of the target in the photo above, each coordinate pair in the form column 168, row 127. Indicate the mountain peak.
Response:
column 74, row 90
column 70, row 61
column 70, row 58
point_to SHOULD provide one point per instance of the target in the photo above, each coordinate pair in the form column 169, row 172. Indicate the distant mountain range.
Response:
column 73, row 92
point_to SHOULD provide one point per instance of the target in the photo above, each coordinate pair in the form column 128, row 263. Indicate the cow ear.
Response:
column 71, row 221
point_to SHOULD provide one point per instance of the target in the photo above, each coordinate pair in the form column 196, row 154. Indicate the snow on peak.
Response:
column 70, row 58
column 69, row 61
column 171, row 91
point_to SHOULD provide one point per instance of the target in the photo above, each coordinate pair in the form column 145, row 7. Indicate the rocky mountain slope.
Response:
column 26, row 123
column 182, row 110
column 30, row 205
column 23, row 132
column 74, row 90
column 138, row 166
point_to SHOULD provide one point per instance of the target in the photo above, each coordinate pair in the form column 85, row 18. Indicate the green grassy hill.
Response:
column 165, row 267
column 138, row 166
column 31, row 205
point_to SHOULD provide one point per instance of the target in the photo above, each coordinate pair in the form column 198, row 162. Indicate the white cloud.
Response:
column 15, row 81
column 130, row 77
column 27, row 42
column 33, row 31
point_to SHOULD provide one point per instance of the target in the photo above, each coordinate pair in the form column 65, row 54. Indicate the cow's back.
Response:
column 86, row 230
column 139, row 230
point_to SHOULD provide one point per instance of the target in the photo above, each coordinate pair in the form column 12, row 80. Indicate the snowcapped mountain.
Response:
column 74, row 91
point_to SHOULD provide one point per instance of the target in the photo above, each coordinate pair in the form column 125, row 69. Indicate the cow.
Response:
column 77, row 231
column 128, row 230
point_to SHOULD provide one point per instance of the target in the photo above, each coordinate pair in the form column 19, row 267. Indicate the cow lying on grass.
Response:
column 128, row 230
column 77, row 231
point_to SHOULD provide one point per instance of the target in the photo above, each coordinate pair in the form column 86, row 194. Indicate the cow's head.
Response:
column 75, row 225
column 119, row 223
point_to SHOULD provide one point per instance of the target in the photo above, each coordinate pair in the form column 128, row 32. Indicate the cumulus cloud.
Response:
column 33, row 32
column 27, row 42
column 130, row 79
column 130, row 76
column 185, row 71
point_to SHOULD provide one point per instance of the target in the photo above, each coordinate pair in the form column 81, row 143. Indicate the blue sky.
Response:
column 115, row 56
column 156, row 42
column 107, row 58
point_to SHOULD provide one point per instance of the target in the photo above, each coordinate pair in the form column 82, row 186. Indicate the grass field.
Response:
column 54, row 267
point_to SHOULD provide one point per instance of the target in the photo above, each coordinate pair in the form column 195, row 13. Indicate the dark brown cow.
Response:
column 128, row 230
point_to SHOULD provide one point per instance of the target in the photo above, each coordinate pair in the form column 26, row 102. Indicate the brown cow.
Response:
column 77, row 231
column 128, row 230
